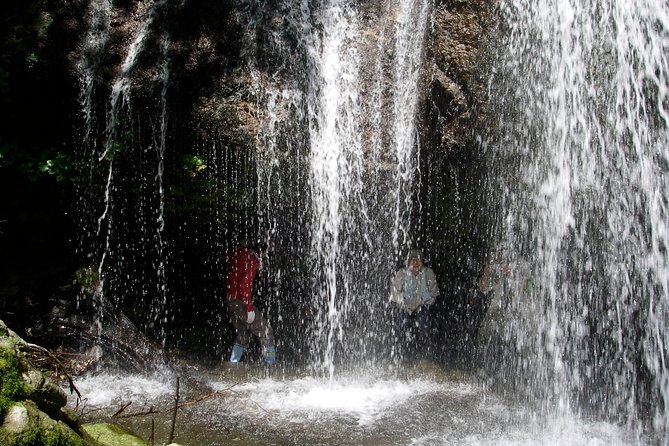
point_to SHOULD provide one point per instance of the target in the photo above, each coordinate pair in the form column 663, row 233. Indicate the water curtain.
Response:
column 579, row 157
column 338, row 158
column 102, row 240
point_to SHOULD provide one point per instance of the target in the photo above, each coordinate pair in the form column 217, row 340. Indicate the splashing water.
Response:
column 324, row 129
column 160, row 219
column 588, row 121
column 579, row 156
column 425, row 408
column 335, row 163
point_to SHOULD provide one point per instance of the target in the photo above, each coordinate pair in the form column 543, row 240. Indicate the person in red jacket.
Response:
column 244, row 264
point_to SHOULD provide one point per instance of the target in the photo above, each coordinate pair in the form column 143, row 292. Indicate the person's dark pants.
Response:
column 259, row 328
column 414, row 329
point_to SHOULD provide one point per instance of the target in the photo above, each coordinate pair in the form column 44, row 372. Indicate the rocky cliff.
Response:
column 146, row 112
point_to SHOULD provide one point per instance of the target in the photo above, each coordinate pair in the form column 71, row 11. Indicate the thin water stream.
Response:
column 349, row 169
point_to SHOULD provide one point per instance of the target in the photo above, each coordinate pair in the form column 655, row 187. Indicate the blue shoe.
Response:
column 269, row 354
column 237, row 353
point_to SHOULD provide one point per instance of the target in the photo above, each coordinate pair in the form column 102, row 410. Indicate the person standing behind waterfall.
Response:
column 414, row 289
column 244, row 264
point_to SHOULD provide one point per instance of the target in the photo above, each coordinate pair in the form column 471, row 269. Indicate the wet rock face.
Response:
column 33, row 407
column 111, row 434
column 209, row 43
column 454, row 87
column 24, row 423
column 22, row 380
column 453, row 168
column 46, row 394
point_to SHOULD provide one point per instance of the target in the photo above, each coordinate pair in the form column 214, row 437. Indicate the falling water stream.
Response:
column 116, row 135
column 579, row 154
column 353, row 239
column 577, row 145
column 348, row 170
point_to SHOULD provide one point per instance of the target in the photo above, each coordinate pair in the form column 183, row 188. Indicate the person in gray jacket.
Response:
column 414, row 288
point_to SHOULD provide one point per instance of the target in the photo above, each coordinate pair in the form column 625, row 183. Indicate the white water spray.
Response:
column 412, row 21
column 336, row 156
column 161, row 146
column 121, row 86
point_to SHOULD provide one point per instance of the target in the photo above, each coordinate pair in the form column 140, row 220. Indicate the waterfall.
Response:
column 122, row 84
column 336, row 90
column 343, row 129
column 91, row 50
column 412, row 20
column 321, row 99
column 578, row 155
column 103, row 144
column 335, row 167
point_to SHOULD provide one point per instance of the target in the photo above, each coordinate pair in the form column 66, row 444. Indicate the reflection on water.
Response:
column 248, row 405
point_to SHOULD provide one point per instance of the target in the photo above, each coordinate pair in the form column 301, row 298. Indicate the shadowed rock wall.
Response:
column 452, row 219
column 190, row 84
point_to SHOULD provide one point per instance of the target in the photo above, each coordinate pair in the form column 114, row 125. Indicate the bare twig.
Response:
column 174, row 413
column 199, row 399
column 257, row 405
column 124, row 407
column 38, row 348
column 140, row 414
column 206, row 396
column 153, row 431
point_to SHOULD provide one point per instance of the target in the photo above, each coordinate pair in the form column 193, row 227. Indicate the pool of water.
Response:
column 425, row 404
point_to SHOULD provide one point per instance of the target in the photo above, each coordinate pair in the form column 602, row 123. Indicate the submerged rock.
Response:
column 112, row 435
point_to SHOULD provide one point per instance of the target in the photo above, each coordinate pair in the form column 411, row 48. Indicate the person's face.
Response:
column 415, row 264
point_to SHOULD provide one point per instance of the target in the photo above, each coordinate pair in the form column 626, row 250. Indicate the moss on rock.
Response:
column 112, row 435
column 12, row 386
column 32, row 406
column 26, row 425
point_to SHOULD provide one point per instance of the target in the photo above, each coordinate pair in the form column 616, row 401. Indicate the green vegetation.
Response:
column 49, row 162
column 87, row 278
column 12, row 387
column 193, row 164
column 38, row 437
column 31, row 437
column 29, row 426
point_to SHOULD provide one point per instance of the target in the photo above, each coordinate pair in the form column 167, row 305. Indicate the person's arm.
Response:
column 432, row 286
column 432, row 283
column 397, row 287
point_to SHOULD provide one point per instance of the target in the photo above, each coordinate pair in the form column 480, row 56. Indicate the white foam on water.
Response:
column 107, row 389
column 313, row 398
column 416, row 411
